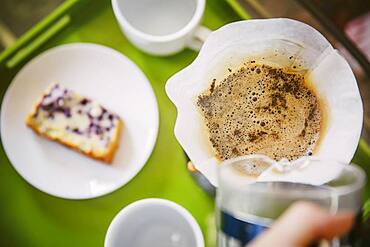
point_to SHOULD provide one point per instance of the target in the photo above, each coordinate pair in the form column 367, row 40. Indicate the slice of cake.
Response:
column 76, row 122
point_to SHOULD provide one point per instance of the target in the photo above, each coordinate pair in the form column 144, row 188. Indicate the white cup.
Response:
column 154, row 222
column 162, row 27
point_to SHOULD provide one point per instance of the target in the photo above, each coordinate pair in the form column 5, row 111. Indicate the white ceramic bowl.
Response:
column 154, row 222
column 161, row 27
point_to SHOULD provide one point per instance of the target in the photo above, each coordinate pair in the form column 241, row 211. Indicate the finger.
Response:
column 303, row 224
column 335, row 225
column 306, row 222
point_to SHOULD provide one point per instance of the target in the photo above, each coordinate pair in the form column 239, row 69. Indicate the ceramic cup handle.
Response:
column 199, row 36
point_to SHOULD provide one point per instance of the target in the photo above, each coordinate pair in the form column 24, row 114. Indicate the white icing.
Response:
column 95, row 110
column 60, row 126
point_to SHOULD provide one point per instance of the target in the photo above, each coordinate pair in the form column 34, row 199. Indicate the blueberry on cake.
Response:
column 77, row 122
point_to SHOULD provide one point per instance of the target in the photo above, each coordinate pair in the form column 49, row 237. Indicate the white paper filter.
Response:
column 270, row 41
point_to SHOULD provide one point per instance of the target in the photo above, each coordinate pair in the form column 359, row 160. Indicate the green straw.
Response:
column 235, row 5
column 37, row 29
column 36, row 43
column 366, row 208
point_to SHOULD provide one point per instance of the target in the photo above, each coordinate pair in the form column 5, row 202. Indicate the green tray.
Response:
column 29, row 217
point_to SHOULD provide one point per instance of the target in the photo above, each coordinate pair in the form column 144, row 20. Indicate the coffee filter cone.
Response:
column 277, row 42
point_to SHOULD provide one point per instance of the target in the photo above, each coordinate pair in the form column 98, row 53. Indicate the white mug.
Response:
column 162, row 27
column 154, row 222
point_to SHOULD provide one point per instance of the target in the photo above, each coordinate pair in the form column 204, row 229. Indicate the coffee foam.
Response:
column 262, row 109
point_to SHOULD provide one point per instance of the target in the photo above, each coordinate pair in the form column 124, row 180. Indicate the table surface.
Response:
column 29, row 217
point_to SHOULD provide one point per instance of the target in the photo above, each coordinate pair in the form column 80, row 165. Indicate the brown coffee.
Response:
column 260, row 109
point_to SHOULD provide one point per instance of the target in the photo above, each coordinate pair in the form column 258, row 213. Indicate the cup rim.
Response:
column 194, row 21
column 124, row 212
column 339, row 191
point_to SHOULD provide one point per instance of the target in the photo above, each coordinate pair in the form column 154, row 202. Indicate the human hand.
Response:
column 303, row 224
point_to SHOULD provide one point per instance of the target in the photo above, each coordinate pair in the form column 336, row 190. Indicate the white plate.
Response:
column 97, row 72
